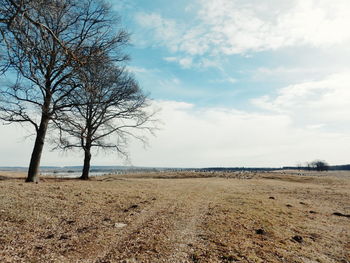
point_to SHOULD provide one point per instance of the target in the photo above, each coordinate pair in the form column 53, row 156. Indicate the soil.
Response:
column 176, row 217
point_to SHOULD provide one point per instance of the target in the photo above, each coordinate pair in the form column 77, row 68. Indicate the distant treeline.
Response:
column 330, row 168
column 235, row 169
column 117, row 169
column 340, row 167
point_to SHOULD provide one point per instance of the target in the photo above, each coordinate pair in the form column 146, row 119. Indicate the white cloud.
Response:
column 242, row 26
column 227, row 79
column 204, row 137
column 237, row 26
column 231, row 80
column 189, row 62
column 185, row 62
column 165, row 32
column 299, row 74
column 283, row 72
column 122, row 5
column 170, row 82
column 171, row 59
column 324, row 102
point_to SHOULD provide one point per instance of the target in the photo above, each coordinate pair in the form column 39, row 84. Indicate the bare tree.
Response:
column 45, row 43
column 319, row 165
column 16, row 11
column 112, row 109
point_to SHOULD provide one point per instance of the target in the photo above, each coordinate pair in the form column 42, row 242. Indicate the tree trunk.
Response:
column 37, row 150
column 86, row 168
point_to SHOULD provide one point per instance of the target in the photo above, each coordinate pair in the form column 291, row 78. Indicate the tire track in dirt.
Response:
column 185, row 236
column 141, row 237
column 186, row 232
column 171, row 226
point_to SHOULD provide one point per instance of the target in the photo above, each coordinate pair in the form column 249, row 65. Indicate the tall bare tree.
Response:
column 108, row 109
column 13, row 11
column 46, row 43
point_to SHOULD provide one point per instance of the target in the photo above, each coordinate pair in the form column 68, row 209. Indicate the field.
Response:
column 177, row 217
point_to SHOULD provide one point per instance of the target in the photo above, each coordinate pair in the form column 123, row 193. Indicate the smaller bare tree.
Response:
column 108, row 109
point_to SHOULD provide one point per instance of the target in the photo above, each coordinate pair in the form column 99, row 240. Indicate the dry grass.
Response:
column 176, row 217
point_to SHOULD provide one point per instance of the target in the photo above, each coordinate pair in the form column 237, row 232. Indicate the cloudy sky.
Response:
column 239, row 83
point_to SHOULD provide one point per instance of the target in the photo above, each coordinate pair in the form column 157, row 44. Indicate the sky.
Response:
column 237, row 82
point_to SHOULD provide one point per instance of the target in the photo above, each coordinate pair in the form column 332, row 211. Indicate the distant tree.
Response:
column 109, row 107
column 308, row 166
column 319, row 165
column 44, row 43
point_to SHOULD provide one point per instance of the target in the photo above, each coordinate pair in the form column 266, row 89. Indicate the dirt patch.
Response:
column 210, row 219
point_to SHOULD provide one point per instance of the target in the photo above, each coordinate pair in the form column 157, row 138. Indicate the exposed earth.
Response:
column 177, row 217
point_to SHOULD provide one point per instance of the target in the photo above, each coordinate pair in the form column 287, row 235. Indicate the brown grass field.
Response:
column 177, row 217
